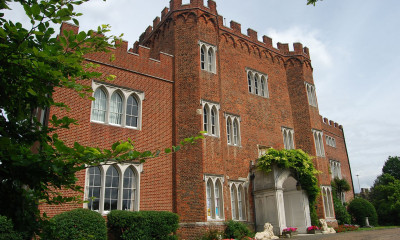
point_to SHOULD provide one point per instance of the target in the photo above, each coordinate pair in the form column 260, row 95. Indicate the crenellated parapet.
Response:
column 137, row 59
column 233, row 33
column 331, row 123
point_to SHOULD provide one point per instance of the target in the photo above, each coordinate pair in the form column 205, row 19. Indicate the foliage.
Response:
column 302, row 167
column 360, row 208
column 35, row 162
column 313, row 2
column 237, row 230
column 76, row 224
column 341, row 213
column 212, row 234
column 7, row 230
column 385, row 195
column 143, row 225
column 392, row 167
column 346, row 228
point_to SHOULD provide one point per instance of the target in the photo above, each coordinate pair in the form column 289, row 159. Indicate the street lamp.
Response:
column 358, row 182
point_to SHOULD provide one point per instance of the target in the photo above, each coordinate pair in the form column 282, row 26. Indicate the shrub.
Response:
column 361, row 208
column 237, row 230
column 76, row 224
column 143, row 225
column 7, row 230
column 346, row 228
column 212, row 234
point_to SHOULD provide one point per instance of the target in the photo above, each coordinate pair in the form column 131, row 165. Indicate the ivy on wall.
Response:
column 302, row 168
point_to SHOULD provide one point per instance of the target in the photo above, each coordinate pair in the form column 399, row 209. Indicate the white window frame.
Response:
column 231, row 119
column 121, row 168
column 210, row 106
column 336, row 169
column 239, row 213
column 327, row 200
column 319, row 143
column 211, row 214
column 288, row 138
column 311, row 95
column 330, row 141
column 259, row 89
column 208, row 64
column 109, row 90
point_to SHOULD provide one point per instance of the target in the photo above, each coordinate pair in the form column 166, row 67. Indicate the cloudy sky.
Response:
column 354, row 47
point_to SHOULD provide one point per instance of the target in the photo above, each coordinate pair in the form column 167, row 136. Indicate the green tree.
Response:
column 392, row 167
column 34, row 163
column 313, row 2
column 385, row 195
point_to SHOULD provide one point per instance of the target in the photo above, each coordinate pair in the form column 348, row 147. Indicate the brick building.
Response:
column 189, row 73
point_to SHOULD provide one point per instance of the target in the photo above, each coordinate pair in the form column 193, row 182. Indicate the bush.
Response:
column 360, row 208
column 76, row 224
column 346, row 228
column 212, row 234
column 237, row 230
column 143, row 225
column 7, row 230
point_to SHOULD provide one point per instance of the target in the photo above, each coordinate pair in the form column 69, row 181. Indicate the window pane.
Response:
column 228, row 130
column 94, row 188
column 262, row 87
column 111, row 189
column 116, row 109
column 99, row 106
column 205, row 115
column 203, row 59
column 249, row 81
column 256, row 84
column 235, row 133
column 129, row 187
column 209, row 198
column 210, row 60
column 213, row 130
column 132, row 112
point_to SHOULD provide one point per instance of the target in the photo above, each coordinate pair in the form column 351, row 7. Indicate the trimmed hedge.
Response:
column 7, row 230
column 360, row 208
column 76, row 224
column 143, row 225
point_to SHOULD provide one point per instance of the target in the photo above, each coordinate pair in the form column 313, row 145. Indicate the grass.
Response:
column 377, row 228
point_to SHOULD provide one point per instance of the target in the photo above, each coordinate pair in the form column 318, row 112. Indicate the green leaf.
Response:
column 32, row 92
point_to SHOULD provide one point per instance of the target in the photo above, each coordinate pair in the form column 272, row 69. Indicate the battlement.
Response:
column 331, row 123
column 234, row 28
column 136, row 59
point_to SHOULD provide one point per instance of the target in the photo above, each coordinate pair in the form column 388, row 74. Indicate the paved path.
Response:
column 381, row 234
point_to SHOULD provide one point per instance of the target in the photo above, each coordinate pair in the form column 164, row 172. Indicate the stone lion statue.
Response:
column 267, row 234
column 324, row 227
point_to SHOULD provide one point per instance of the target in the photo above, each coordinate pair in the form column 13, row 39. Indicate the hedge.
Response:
column 359, row 208
column 143, row 225
column 7, row 230
column 76, row 224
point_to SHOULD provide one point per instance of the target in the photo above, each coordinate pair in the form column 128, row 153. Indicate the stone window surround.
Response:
column 244, row 185
column 109, row 90
column 211, row 105
column 232, row 119
column 319, row 144
column 288, row 141
column 261, row 76
column 138, row 169
column 330, row 141
column 311, row 95
column 206, row 48
column 214, row 179
column 327, row 200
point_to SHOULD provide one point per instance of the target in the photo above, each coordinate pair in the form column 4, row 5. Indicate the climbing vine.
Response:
column 302, row 168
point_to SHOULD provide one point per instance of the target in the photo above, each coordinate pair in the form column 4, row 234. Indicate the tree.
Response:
column 392, row 167
column 34, row 163
column 313, row 2
column 385, row 195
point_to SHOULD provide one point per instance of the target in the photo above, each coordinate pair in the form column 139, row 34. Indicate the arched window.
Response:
column 129, row 190
column 210, row 202
column 256, row 84
column 213, row 122
column 229, row 130
column 240, row 202
column 218, row 200
column 285, row 142
column 235, row 132
column 210, row 60
column 205, row 118
column 132, row 112
column 93, row 188
column 249, row 80
column 263, row 87
column 234, row 201
column 99, row 106
column 203, row 58
column 111, row 189
column 116, row 109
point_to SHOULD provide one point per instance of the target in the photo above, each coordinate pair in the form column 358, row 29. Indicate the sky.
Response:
column 355, row 52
